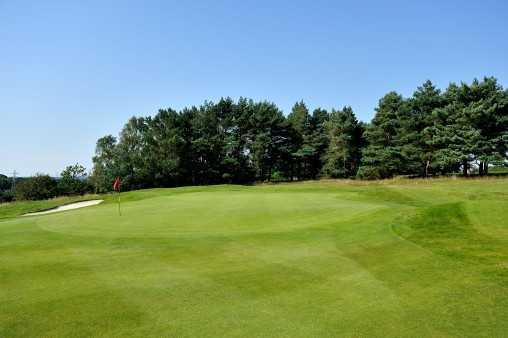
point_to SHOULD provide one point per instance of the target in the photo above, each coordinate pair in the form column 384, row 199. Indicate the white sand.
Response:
column 71, row 206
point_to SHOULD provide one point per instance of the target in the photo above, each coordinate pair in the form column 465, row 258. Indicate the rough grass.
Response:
column 317, row 259
column 13, row 209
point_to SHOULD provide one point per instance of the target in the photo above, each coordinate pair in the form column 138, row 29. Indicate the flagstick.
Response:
column 119, row 211
column 116, row 187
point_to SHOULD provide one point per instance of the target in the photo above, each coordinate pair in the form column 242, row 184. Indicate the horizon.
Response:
column 75, row 72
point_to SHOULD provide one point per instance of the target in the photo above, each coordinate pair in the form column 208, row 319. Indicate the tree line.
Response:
column 6, row 194
column 463, row 129
column 73, row 180
column 433, row 132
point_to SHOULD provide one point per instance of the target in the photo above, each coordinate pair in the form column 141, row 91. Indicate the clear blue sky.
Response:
column 73, row 71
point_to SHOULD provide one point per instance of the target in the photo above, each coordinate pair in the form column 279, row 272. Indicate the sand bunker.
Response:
column 70, row 206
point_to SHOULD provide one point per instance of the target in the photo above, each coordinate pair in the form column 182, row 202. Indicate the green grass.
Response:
column 498, row 170
column 396, row 258
column 9, row 210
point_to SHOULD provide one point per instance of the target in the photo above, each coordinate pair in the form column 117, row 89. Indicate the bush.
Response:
column 369, row 173
column 278, row 176
column 38, row 187
column 5, row 183
column 6, row 196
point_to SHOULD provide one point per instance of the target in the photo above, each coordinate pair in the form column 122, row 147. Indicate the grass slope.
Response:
column 9, row 210
column 330, row 258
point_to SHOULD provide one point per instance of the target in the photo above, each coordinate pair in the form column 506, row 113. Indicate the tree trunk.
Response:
column 486, row 168
column 480, row 169
column 464, row 167
column 427, row 168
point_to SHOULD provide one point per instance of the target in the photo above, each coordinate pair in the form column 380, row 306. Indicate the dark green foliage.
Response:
column 226, row 142
column 308, row 141
column 73, row 181
column 471, row 129
column 383, row 156
column 37, row 187
column 303, row 151
column 414, row 142
column 106, row 164
column 319, row 140
column 267, row 139
column 464, row 128
column 6, row 193
column 6, row 196
column 345, row 135
column 5, row 183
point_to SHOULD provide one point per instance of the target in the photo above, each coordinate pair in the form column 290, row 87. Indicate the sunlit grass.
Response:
column 395, row 258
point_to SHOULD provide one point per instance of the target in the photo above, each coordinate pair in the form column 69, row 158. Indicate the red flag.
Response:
column 117, row 183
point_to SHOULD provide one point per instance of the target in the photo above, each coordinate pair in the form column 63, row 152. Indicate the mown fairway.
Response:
column 398, row 258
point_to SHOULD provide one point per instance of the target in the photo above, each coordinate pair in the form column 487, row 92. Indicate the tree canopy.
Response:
column 461, row 129
column 73, row 180
column 37, row 187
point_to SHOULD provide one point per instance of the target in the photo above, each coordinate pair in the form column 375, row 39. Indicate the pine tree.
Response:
column 345, row 140
column 382, row 157
column 303, row 150
column 415, row 142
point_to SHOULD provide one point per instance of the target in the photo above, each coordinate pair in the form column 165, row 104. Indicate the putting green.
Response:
column 323, row 259
column 208, row 213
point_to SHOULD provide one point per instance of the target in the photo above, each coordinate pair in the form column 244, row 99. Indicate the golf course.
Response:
column 394, row 258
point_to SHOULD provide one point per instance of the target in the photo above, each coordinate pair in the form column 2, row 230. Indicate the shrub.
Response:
column 278, row 176
column 6, row 196
column 369, row 173
column 5, row 183
column 37, row 187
